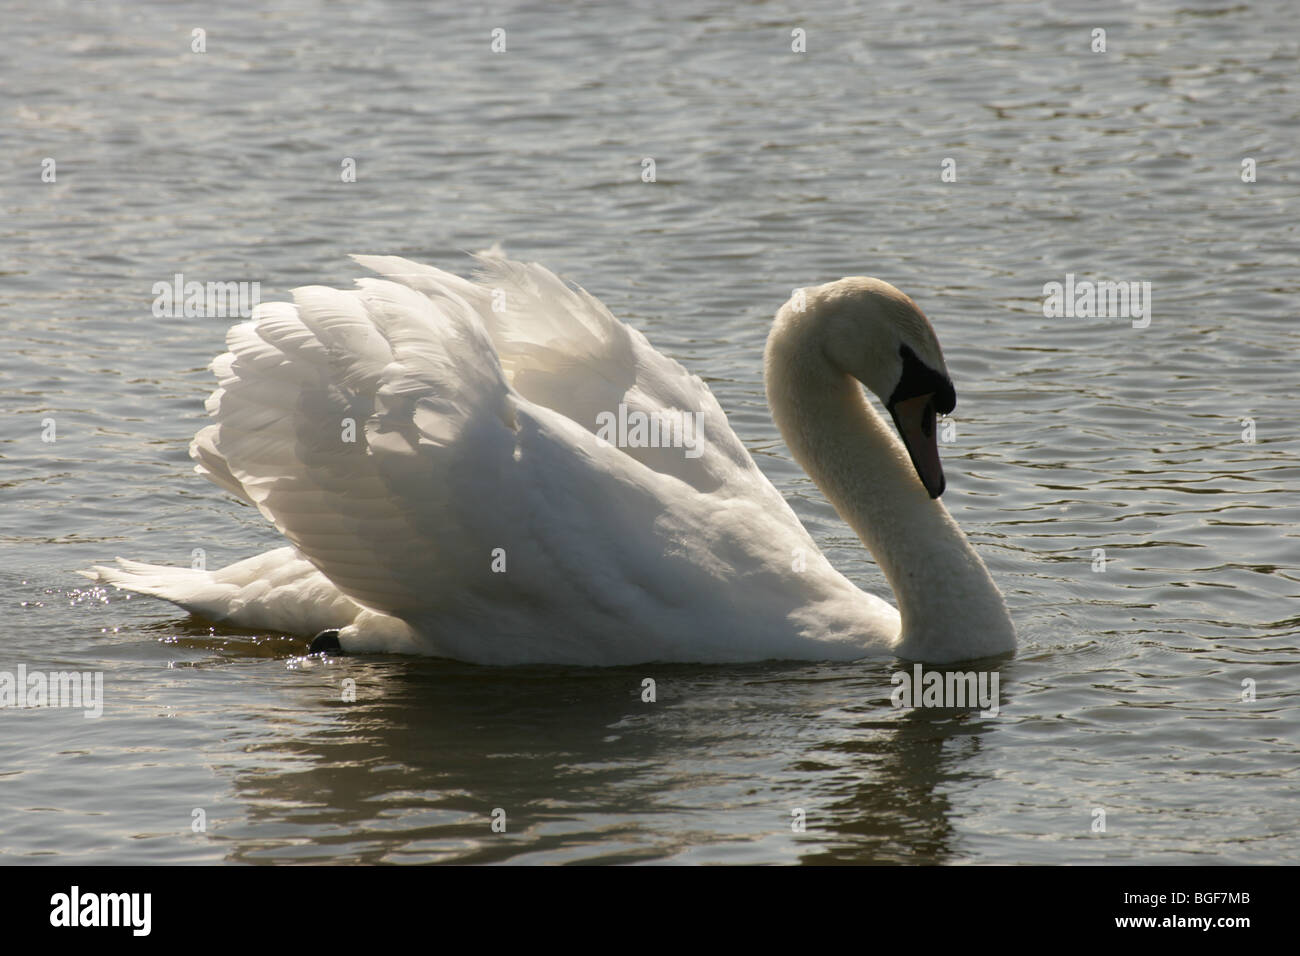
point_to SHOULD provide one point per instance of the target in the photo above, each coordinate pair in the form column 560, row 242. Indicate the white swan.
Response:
column 430, row 447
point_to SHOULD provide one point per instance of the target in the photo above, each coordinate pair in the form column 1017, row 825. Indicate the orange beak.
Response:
column 914, row 419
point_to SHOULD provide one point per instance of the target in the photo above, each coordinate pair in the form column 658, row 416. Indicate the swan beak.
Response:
column 914, row 419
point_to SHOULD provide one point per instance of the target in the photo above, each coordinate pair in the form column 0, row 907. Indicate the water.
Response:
column 774, row 170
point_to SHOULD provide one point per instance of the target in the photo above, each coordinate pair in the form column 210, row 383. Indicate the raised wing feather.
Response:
column 329, row 418
column 561, row 348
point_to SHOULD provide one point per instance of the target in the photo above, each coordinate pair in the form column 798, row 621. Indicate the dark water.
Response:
column 774, row 170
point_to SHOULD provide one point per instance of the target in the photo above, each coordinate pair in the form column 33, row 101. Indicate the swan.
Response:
column 441, row 455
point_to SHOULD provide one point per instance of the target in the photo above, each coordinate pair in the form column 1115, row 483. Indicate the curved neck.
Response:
column 949, row 605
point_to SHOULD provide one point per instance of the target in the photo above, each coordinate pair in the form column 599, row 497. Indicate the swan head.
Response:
column 870, row 330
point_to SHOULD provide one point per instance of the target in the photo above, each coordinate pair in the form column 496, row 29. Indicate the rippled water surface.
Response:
column 774, row 170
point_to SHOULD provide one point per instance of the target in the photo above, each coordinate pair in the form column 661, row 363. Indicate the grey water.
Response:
column 1133, row 489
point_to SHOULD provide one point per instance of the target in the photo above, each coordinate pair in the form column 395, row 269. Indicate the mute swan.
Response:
column 433, row 448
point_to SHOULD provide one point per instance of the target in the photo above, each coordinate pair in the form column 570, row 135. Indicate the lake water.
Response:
column 774, row 169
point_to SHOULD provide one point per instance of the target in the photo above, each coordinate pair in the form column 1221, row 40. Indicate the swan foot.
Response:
column 325, row 642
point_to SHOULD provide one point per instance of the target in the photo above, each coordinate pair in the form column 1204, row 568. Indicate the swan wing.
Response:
column 353, row 420
column 385, row 431
column 561, row 348
column 437, row 451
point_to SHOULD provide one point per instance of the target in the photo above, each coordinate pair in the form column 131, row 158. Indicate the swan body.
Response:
column 430, row 447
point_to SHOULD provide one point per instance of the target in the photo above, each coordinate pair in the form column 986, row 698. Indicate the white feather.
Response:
column 409, row 436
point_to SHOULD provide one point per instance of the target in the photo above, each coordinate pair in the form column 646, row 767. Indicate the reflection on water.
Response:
column 413, row 770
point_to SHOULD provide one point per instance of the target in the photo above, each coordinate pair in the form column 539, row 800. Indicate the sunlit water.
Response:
column 774, row 170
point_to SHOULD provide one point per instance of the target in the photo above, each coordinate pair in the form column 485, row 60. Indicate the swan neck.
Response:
column 949, row 605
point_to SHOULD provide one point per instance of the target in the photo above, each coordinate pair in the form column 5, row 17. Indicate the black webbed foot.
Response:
column 325, row 641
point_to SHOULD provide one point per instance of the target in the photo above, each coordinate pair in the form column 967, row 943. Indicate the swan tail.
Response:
column 192, row 589
column 278, row 591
